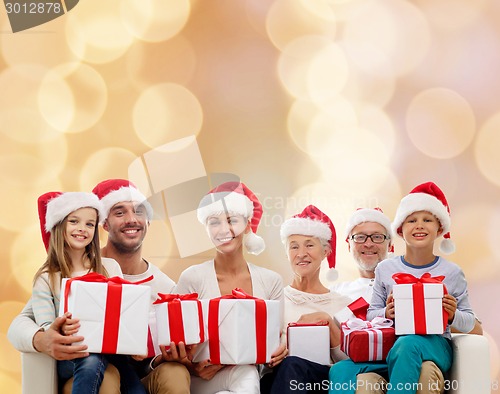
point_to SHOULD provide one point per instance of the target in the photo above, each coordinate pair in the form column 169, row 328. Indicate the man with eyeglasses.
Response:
column 369, row 236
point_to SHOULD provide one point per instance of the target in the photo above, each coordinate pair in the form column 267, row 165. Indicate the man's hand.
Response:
column 205, row 369
column 57, row 346
column 181, row 353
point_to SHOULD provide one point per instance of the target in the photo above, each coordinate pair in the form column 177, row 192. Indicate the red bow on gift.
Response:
column 171, row 297
column 113, row 305
column 418, row 296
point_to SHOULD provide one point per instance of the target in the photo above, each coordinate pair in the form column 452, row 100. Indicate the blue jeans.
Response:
column 88, row 373
column 402, row 366
column 296, row 375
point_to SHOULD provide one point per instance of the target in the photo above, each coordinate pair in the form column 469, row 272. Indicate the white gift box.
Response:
column 183, row 324
column 125, row 331
column 310, row 342
column 232, row 331
column 428, row 318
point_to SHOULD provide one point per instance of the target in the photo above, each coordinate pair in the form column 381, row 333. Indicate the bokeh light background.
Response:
column 340, row 103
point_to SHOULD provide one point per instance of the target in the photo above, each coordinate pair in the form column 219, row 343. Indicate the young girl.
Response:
column 68, row 222
column 231, row 214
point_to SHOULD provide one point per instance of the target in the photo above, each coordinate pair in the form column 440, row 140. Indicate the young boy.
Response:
column 421, row 218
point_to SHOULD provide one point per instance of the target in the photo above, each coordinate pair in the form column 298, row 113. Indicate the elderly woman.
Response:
column 309, row 237
column 231, row 215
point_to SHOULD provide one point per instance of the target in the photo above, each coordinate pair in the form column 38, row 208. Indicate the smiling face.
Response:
column 127, row 225
column 80, row 228
column 368, row 254
column 420, row 229
column 305, row 254
column 226, row 231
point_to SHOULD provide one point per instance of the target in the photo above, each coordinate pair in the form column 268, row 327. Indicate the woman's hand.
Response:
column 450, row 306
column 278, row 355
column 315, row 318
column 204, row 369
column 389, row 308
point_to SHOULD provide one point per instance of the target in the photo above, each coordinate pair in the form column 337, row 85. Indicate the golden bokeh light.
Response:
column 395, row 27
column 371, row 76
column 440, row 123
column 72, row 97
column 166, row 112
column 478, row 263
column 452, row 14
column 97, row 37
column 288, row 20
column 27, row 253
column 19, row 116
column 486, row 149
column 153, row 21
column 147, row 63
column 377, row 121
column 160, row 244
column 104, row 164
column 48, row 48
column 9, row 384
column 301, row 69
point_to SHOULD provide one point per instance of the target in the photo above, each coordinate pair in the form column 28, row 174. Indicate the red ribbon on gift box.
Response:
column 113, row 305
column 175, row 320
column 418, row 297
column 260, row 325
column 359, row 308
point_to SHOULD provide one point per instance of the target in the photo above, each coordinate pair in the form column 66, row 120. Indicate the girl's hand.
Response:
column 70, row 326
column 450, row 306
column 389, row 308
column 278, row 355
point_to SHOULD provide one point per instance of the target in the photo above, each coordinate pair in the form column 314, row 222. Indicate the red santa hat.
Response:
column 427, row 197
column 234, row 197
column 113, row 191
column 311, row 221
column 375, row 215
column 53, row 207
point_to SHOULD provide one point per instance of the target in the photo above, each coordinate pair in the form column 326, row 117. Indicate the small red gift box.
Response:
column 366, row 341
column 418, row 304
column 179, row 318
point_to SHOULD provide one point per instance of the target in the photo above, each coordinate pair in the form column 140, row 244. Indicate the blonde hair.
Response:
column 58, row 259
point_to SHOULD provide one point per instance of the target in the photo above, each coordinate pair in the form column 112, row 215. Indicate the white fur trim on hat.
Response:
column 415, row 202
column 368, row 215
column 61, row 206
column 230, row 202
column 305, row 226
column 126, row 194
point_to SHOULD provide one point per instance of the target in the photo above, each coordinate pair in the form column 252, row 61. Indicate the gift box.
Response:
column 113, row 313
column 309, row 341
column 365, row 341
column 418, row 304
column 241, row 329
column 179, row 318
column 356, row 309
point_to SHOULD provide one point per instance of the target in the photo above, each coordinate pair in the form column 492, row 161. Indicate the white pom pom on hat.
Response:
column 427, row 197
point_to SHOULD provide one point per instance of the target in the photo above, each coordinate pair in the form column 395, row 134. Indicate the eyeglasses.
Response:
column 375, row 238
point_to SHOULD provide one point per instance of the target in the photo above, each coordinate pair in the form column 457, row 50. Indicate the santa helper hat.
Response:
column 236, row 198
column 113, row 191
column 375, row 215
column 53, row 207
column 427, row 197
column 312, row 222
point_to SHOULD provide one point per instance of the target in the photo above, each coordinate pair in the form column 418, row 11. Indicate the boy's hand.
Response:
column 70, row 326
column 389, row 308
column 450, row 306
